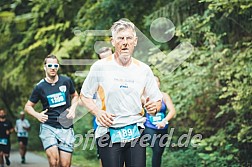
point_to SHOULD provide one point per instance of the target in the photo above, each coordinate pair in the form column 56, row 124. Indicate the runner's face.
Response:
column 124, row 43
column 105, row 54
column 50, row 67
column 2, row 114
column 22, row 116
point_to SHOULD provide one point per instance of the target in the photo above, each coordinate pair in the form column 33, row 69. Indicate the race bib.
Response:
column 56, row 99
column 22, row 134
column 157, row 118
column 124, row 134
column 3, row 141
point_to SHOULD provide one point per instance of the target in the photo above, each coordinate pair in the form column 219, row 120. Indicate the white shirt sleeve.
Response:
column 27, row 123
column 91, row 83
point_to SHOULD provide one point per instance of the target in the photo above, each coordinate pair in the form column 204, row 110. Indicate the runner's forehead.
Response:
column 51, row 60
column 125, row 32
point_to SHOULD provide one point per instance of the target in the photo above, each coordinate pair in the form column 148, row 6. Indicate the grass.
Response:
column 40, row 153
column 81, row 161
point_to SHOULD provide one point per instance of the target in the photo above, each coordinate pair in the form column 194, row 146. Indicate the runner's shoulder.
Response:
column 140, row 64
column 42, row 81
column 64, row 77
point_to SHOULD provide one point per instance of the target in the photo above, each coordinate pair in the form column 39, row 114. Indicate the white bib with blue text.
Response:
column 3, row 141
column 56, row 99
column 157, row 118
column 22, row 134
column 124, row 134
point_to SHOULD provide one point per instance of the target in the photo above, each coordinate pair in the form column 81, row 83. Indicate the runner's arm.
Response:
column 171, row 111
column 29, row 108
column 103, row 117
column 74, row 103
column 9, row 131
column 170, row 106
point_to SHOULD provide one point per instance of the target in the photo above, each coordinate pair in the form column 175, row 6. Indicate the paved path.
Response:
column 32, row 160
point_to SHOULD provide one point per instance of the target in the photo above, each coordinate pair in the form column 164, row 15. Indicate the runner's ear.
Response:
column 112, row 41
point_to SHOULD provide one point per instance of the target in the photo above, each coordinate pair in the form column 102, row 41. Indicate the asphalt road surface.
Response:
column 32, row 160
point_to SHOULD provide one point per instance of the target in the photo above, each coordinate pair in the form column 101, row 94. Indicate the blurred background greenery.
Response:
column 211, row 90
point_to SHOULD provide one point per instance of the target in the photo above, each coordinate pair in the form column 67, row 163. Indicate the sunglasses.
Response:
column 52, row 65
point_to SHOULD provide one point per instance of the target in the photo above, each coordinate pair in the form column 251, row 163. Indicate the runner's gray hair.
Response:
column 122, row 25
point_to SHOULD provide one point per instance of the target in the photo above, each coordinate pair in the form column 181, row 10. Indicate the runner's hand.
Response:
column 161, row 124
column 150, row 107
column 105, row 118
column 42, row 117
column 7, row 132
column 71, row 114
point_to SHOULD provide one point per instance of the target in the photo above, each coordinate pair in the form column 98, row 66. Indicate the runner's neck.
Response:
column 52, row 80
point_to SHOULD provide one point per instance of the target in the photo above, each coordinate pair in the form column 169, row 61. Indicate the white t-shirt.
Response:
column 20, row 124
column 120, row 90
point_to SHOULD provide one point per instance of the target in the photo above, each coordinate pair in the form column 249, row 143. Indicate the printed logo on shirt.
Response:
column 62, row 88
column 124, row 80
column 124, row 83
column 123, row 86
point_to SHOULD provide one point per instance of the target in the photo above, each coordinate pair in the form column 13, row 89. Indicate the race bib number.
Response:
column 22, row 134
column 57, row 99
column 3, row 141
column 157, row 118
column 124, row 134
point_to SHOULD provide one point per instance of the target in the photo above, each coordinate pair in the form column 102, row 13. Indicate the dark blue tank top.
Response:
column 151, row 120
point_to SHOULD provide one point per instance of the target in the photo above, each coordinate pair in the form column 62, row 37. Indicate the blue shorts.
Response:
column 62, row 138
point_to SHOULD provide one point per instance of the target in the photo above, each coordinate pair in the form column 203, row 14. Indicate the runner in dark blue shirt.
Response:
column 5, row 129
column 59, row 99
